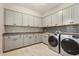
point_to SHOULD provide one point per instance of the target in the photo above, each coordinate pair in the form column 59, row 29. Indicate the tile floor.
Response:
column 34, row 50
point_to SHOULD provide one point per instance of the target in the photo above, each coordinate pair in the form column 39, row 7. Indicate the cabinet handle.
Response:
column 8, row 37
column 14, row 24
column 71, row 22
column 56, row 24
column 29, row 37
column 15, row 39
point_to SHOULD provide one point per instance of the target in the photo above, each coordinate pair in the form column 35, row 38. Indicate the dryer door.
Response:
column 52, row 40
column 70, row 46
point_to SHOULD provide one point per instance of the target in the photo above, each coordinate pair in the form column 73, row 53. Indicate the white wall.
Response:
column 1, row 25
column 22, row 9
column 64, row 5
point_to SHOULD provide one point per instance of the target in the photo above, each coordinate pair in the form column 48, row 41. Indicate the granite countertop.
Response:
column 69, row 33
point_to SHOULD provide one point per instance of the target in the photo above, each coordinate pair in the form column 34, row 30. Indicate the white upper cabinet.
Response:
column 13, row 18
column 31, row 20
column 75, row 14
column 47, row 21
column 59, row 18
column 44, row 22
column 37, row 22
column 9, row 17
column 25, row 20
column 67, row 16
column 18, row 19
column 54, row 20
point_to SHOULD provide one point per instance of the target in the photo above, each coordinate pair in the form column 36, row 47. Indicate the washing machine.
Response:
column 69, row 45
column 53, row 42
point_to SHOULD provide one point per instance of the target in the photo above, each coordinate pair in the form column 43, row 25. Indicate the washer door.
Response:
column 70, row 46
column 52, row 40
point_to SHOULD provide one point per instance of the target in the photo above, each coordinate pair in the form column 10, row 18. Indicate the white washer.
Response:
column 53, row 42
column 69, row 45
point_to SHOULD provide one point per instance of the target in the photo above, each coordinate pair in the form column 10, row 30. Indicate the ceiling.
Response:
column 39, row 7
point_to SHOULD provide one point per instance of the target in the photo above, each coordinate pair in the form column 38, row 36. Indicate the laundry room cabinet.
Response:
column 37, row 22
column 45, row 39
column 9, row 43
column 37, row 38
column 25, row 20
column 13, row 18
column 57, row 19
column 12, row 42
column 47, row 21
column 75, row 14
column 28, row 39
column 31, row 20
column 44, row 22
column 67, row 16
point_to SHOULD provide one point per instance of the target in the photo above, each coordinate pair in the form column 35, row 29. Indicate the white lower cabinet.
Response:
column 19, row 41
column 26, row 40
column 36, row 38
column 12, row 42
column 31, row 39
column 40, row 37
column 45, row 39
column 9, row 43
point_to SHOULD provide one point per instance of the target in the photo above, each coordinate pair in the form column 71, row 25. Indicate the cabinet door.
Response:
column 31, row 39
column 40, row 37
column 45, row 39
column 75, row 14
column 44, row 22
column 18, row 19
column 9, row 17
column 59, row 18
column 36, row 38
column 67, row 16
column 13, row 18
column 37, row 22
column 19, row 41
column 25, row 20
column 31, row 19
column 48, row 20
column 26, row 40
column 9, row 43
column 54, row 22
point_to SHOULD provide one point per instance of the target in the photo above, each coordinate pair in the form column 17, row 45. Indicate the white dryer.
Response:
column 69, row 45
column 53, row 42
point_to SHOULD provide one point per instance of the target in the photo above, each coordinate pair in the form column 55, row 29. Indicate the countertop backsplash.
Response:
column 68, row 29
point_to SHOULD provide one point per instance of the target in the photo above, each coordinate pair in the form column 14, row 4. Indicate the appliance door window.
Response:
column 70, row 46
column 52, row 40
